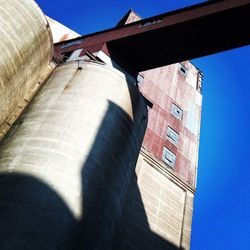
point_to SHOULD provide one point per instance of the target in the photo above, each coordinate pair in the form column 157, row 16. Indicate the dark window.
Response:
column 172, row 135
column 140, row 79
column 183, row 70
column 168, row 157
column 176, row 111
column 199, row 81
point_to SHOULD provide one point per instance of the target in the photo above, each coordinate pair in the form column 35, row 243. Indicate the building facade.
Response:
column 160, row 198
column 69, row 160
column 166, row 170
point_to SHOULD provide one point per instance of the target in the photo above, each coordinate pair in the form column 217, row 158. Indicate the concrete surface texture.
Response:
column 167, row 87
column 26, row 42
column 159, row 207
column 66, row 165
column 158, row 211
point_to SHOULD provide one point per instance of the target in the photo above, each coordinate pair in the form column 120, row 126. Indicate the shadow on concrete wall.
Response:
column 34, row 217
column 134, row 232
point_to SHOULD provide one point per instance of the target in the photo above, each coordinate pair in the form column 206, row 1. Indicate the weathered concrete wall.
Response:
column 66, row 164
column 26, row 52
column 178, row 84
column 158, row 213
column 158, row 210
column 164, row 87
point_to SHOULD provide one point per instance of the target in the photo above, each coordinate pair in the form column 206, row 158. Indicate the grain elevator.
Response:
column 99, row 145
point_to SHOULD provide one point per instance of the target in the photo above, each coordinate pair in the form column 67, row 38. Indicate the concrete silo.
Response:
column 26, row 52
column 66, row 163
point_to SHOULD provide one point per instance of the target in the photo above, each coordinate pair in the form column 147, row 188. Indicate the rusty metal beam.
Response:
column 187, row 33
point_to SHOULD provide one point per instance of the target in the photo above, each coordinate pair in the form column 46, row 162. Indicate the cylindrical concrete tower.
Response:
column 26, row 51
column 66, row 164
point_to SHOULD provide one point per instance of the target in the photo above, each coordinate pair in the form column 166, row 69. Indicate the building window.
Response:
column 172, row 135
column 199, row 81
column 183, row 70
column 168, row 157
column 176, row 111
column 140, row 79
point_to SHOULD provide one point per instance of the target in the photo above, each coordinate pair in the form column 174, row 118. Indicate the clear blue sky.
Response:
column 222, row 203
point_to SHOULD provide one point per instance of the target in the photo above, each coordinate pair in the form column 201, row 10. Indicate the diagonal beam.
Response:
column 190, row 34
column 187, row 33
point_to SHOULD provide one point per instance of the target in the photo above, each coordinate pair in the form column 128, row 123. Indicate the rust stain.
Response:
column 64, row 37
column 69, row 84
column 66, row 87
